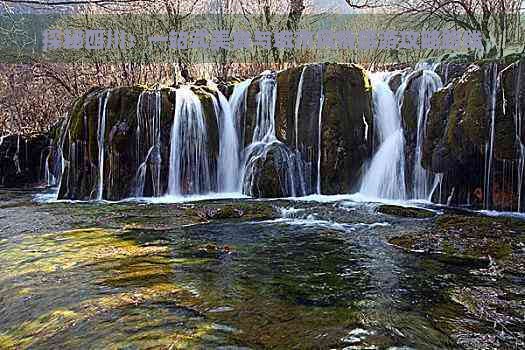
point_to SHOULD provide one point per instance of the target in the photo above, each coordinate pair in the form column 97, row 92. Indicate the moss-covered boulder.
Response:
column 409, row 116
column 136, row 141
column 405, row 212
column 80, row 149
column 299, row 92
column 345, row 116
column 458, row 133
column 347, row 126
column 470, row 237
column 268, row 174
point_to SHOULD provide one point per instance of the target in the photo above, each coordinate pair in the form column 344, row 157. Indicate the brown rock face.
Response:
column 347, row 126
column 129, row 141
column 458, row 135
column 328, row 120
column 338, row 96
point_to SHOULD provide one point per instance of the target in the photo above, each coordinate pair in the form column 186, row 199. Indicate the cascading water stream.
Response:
column 266, row 99
column 518, row 125
column 489, row 146
column 148, row 141
column 228, row 162
column 297, row 106
column 238, row 107
column 385, row 176
column 264, row 132
column 430, row 83
column 264, row 140
column 48, row 175
column 299, row 162
column 319, row 137
column 102, row 105
column 58, row 155
column 189, row 171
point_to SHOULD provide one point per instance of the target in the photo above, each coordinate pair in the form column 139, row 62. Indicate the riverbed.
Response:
column 256, row 274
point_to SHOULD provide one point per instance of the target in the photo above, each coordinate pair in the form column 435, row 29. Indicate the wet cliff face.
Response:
column 459, row 140
column 323, row 115
column 22, row 160
column 318, row 126
column 135, row 142
column 347, row 127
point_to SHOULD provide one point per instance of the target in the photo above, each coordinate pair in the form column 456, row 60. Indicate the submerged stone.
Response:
column 405, row 211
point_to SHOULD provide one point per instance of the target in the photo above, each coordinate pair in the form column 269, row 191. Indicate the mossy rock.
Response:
column 346, row 141
column 225, row 212
column 436, row 155
column 239, row 210
column 407, row 242
column 270, row 173
column 405, row 212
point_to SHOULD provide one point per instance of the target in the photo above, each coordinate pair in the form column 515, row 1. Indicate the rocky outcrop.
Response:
column 129, row 142
column 410, row 92
column 340, row 95
column 270, row 174
column 347, row 127
column 335, row 97
column 449, row 71
column 458, row 136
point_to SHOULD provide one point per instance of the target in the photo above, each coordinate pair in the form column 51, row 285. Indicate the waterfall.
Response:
column 48, row 175
column 189, row 170
column 58, row 152
column 518, row 125
column 238, row 108
column 385, row 175
column 228, row 162
column 102, row 109
column 489, row 146
column 297, row 105
column 264, row 133
column 264, row 140
column 430, row 83
column 266, row 100
column 319, row 137
column 148, row 141
column 298, row 160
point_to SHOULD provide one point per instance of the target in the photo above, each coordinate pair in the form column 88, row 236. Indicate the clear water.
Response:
column 313, row 275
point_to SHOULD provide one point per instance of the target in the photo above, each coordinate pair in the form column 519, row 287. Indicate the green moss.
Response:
column 228, row 212
column 364, row 76
column 457, row 58
column 448, row 248
column 77, row 118
column 407, row 242
column 405, row 211
column 449, row 221
column 495, row 249
column 467, row 118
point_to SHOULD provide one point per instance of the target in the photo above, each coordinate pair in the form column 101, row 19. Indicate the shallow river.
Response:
column 289, row 274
